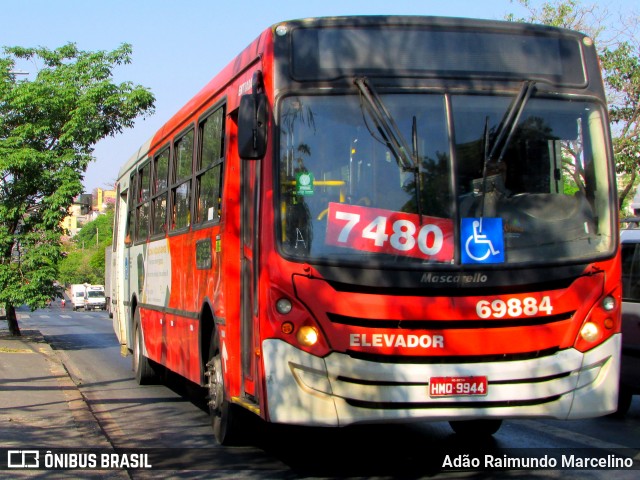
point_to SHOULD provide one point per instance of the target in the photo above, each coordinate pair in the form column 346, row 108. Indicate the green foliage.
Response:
column 75, row 268
column 49, row 126
column 84, row 261
column 98, row 231
column 620, row 60
column 562, row 13
column 622, row 73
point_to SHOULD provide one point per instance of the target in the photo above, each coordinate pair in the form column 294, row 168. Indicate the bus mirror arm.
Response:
column 252, row 122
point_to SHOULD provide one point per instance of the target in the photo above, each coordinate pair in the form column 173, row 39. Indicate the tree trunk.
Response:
column 625, row 191
column 12, row 320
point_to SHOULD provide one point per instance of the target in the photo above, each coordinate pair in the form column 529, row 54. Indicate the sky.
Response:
column 178, row 46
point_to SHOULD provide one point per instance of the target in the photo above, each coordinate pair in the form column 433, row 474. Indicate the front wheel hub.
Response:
column 215, row 386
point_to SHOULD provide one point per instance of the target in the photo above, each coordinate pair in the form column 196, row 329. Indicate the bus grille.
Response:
column 444, row 360
column 446, row 324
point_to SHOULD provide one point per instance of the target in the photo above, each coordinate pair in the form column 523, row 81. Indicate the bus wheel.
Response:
column 482, row 428
column 141, row 364
column 224, row 415
column 625, row 397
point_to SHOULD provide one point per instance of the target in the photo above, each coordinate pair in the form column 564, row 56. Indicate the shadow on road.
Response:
column 398, row 450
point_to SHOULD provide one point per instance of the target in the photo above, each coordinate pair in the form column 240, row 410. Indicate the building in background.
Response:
column 86, row 207
column 103, row 199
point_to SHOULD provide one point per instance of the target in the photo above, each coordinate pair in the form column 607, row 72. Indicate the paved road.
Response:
column 173, row 415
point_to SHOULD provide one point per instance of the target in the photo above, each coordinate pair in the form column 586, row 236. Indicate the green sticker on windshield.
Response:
column 304, row 183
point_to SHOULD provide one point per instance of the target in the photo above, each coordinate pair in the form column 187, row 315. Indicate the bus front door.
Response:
column 249, row 275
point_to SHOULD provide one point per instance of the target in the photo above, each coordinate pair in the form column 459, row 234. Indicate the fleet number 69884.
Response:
column 513, row 307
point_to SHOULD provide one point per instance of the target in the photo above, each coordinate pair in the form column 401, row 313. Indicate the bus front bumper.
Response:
column 339, row 390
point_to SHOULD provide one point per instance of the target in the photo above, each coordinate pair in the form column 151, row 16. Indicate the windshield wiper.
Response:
column 509, row 122
column 386, row 125
column 416, row 170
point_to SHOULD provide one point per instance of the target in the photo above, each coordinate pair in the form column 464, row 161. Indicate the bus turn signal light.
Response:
column 307, row 336
column 286, row 328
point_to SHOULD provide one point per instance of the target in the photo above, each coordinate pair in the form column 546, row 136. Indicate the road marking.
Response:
column 15, row 350
column 65, row 316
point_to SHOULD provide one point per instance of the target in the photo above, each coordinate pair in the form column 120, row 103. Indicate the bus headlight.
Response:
column 292, row 322
column 608, row 303
column 283, row 306
column 602, row 323
column 590, row 332
column 307, row 336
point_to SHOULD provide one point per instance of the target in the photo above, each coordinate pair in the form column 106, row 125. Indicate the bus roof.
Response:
column 256, row 49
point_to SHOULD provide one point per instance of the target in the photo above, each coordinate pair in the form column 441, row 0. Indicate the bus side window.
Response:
column 143, row 202
column 159, row 191
column 209, row 168
column 180, row 215
column 127, row 196
column 181, row 187
column 116, row 219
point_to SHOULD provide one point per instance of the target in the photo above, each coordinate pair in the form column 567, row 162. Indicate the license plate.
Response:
column 457, row 386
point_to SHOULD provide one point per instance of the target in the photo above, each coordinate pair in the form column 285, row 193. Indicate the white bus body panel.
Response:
column 120, row 267
column 306, row 390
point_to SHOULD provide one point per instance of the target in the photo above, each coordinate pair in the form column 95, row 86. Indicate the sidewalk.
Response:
column 40, row 406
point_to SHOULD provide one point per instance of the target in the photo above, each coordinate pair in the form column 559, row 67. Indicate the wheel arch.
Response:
column 207, row 328
column 133, row 305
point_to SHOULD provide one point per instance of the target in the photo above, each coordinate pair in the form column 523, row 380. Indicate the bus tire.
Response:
column 476, row 428
column 141, row 365
column 225, row 417
column 625, row 397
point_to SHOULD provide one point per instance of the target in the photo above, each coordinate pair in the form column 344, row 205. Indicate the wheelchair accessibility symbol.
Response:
column 482, row 240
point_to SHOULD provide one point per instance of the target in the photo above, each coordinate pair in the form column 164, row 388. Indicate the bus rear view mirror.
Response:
column 252, row 126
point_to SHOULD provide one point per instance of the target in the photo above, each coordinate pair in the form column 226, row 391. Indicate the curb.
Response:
column 74, row 405
column 32, row 341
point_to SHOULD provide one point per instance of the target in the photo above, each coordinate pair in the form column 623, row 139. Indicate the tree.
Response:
column 84, row 261
column 48, row 129
column 622, row 74
column 619, row 52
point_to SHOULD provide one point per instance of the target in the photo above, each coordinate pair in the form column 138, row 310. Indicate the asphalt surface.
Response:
column 41, row 408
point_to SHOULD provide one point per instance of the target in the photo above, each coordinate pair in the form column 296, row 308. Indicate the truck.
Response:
column 78, row 296
column 95, row 299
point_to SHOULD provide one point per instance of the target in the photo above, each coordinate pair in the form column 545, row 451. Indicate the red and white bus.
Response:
column 380, row 219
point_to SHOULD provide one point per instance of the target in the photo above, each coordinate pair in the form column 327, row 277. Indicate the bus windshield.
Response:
column 350, row 193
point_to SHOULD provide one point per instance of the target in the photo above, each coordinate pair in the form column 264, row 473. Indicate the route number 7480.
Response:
column 389, row 232
column 513, row 307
